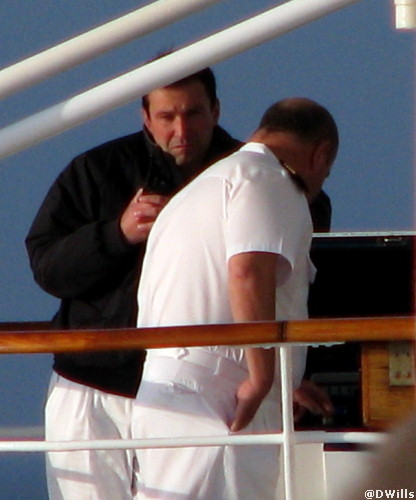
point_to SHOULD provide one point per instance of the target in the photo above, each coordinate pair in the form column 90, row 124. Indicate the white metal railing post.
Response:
column 95, row 42
column 130, row 86
column 288, row 428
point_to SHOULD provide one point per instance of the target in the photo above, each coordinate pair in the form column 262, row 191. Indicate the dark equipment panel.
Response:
column 359, row 275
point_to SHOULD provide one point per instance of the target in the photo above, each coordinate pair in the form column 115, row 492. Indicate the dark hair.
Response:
column 205, row 76
column 308, row 120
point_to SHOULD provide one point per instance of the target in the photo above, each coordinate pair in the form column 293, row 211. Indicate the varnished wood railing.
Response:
column 40, row 338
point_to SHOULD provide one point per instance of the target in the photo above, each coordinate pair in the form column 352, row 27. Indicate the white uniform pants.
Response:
column 179, row 398
column 76, row 412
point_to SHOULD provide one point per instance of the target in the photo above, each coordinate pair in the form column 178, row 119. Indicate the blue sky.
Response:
column 353, row 61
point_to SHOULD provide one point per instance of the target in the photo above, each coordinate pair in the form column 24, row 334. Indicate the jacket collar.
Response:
column 164, row 177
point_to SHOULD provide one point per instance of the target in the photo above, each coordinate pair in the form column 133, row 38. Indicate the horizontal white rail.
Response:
column 300, row 437
column 134, row 84
column 95, row 42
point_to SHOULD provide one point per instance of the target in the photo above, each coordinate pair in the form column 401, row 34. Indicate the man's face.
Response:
column 181, row 120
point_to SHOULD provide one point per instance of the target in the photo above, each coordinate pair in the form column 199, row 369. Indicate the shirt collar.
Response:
column 258, row 147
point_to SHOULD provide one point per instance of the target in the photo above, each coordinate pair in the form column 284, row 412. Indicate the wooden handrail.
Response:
column 40, row 338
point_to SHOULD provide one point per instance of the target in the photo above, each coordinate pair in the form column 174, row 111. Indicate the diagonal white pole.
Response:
column 95, row 42
column 186, row 61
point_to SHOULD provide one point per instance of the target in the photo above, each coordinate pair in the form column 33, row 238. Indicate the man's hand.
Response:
column 140, row 215
column 252, row 391
column 249, row 398
column 309, row 396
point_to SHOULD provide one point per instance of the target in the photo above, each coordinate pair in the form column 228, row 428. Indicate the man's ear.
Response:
column 322, row 155
column 145, row 118
column 217, row 111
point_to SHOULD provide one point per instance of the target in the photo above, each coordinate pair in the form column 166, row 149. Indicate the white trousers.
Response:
column 178, row 398
column 76, row 412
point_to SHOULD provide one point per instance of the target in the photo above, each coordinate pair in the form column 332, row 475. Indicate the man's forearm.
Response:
column 260, row 364
column 251, row 287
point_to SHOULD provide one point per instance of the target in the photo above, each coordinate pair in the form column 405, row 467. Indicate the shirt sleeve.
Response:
column 266, row 212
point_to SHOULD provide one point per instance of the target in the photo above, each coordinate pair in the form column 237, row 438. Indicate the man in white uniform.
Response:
column 233, row 246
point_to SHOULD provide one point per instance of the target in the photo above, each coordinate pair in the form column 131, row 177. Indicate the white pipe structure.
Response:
column 95, row 42
column 186, row 61
column 288, row 438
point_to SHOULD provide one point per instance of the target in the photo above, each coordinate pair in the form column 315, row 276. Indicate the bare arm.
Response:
column 251, row 290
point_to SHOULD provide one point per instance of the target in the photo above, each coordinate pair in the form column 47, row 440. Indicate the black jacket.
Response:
column 78, row 254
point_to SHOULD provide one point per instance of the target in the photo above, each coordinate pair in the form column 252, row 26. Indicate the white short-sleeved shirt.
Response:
column 244, row 203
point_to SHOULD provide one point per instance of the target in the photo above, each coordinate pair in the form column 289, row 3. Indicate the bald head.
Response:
column 303, row 136
column 307, row 120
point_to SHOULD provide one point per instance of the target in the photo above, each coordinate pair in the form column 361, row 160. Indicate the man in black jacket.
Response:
column 86, row 246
